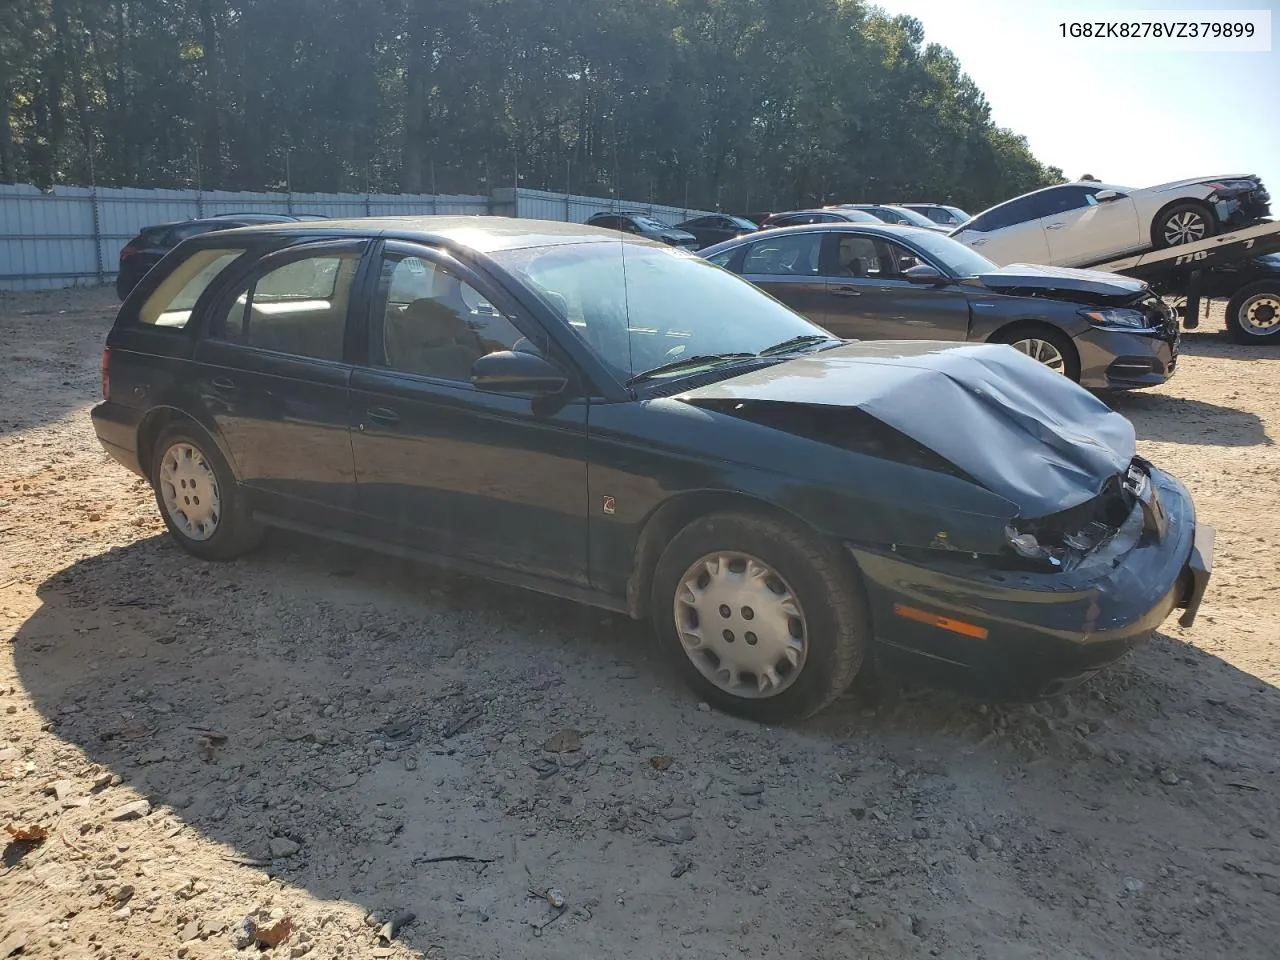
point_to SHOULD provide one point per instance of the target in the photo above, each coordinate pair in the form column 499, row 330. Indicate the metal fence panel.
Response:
column 68, row 236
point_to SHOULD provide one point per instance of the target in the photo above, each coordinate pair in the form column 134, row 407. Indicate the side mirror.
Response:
column 923, row 273
column 510, row 371
column 1103, row 196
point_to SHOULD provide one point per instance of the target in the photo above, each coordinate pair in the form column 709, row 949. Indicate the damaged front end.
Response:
column 1240, row 201
column 999, row 515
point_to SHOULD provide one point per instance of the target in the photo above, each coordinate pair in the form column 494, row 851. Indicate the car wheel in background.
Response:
column 199, row 497
column 1183, row 223
column 1045, row 344
column 1253, row 314
column 762, row 617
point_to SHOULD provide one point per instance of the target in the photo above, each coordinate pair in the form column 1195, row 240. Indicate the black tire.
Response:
column 1242, row 313
column 1049, row 334
column 235, row 532
column 1164, row 223
column 837, row 627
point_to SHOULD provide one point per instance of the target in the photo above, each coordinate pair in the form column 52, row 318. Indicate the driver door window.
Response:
column 434, row 324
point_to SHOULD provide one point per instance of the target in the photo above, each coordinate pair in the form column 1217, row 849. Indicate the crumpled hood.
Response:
column 1031, row 276
column 1020, row 430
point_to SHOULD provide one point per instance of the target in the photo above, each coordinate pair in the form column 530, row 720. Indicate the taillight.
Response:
column 127, row 251
column 106, row 374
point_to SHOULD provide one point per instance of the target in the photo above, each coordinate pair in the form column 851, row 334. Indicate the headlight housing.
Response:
column 1028, row 547
column 1229, row 188
column 1117, row 318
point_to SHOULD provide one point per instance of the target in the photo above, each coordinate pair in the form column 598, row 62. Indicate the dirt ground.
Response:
column 328, row 737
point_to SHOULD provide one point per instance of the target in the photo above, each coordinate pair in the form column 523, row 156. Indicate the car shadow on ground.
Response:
column 1170, row 419
column 343, row 719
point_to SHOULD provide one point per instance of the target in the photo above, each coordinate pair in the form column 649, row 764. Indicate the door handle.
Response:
column 383, row 415
column 846, row 292
column 222, row 383
column 1054, row 226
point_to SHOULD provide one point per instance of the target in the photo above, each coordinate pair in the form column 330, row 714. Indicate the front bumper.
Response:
column 1036, row 634
column 1125, row 360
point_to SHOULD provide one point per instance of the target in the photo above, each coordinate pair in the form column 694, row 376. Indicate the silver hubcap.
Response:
column 1260, row 314
column 189, row 489
column 741, row 625
column 1044, row 351
column 1185, row 227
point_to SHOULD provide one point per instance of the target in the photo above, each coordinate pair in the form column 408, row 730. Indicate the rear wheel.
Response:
column 198, row 496
column 1253, row 314
column 762, row 617
column 1045, row 344
column 1183, row 223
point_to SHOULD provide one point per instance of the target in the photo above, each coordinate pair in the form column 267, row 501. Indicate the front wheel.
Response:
column 198, row 496
column 1046, row 345
column 762, row 617
column 1183, row 223
column 1253, row 314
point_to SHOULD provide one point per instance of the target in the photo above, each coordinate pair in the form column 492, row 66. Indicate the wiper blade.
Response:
column 698, row 360
column 800, row 341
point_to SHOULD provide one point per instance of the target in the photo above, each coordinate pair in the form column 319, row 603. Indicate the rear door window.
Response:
column 788, row 255
column 297, row 308
column 170, row 304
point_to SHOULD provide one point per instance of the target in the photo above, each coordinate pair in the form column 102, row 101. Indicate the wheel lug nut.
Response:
column 725, row 611
column 751, row 639
column 728, row 636
column 747, row 613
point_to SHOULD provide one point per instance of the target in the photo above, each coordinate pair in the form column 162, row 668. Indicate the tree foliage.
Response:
column 737, row 104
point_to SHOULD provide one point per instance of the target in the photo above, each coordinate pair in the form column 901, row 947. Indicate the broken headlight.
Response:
column 1028, row 547
column 1117, row 318
column 1230, row 188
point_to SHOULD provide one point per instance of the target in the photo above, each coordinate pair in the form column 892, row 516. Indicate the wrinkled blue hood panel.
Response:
column 1019, row 429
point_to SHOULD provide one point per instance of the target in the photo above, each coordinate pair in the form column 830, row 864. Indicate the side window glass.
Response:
column 435, row 324
column 859, row 256
column 298, row 308
column 898, row 259
column 1066, row 199
column 722, row 259
column 171, row 302
column 791, row 255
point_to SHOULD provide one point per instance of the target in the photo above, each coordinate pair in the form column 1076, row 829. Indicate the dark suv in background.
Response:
column 644, row 225
column 146, row 249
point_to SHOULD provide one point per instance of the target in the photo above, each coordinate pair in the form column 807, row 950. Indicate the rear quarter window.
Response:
column 171, row 302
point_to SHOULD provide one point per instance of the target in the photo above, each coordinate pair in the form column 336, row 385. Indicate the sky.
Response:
column 1130, row 118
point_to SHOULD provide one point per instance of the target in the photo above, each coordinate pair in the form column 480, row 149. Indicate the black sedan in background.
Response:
column 624, row 424
column 944, row 215
column 644, row 225
column 145, row 250
column 878, row 282
column 716, row 228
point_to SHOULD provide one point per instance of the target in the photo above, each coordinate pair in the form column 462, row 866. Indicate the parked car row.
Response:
column 611, row 419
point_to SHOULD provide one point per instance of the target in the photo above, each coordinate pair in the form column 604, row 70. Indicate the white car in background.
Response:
column 1084, row 223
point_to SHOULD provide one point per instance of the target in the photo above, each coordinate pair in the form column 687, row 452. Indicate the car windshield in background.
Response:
column 952, row 254
column 652, row 223
column 910, row 216
column 642, row 307
column 743, row 224
column 959, row 214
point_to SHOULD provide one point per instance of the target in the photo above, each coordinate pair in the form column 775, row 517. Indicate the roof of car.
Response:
column 483, row 234
column 889, row 231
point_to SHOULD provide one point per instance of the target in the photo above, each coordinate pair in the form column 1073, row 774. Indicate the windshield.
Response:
column 908, row 216
column 641, row 307
column 952, row 254
column 743, row 224
column 651, row 223
column 957, row 215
